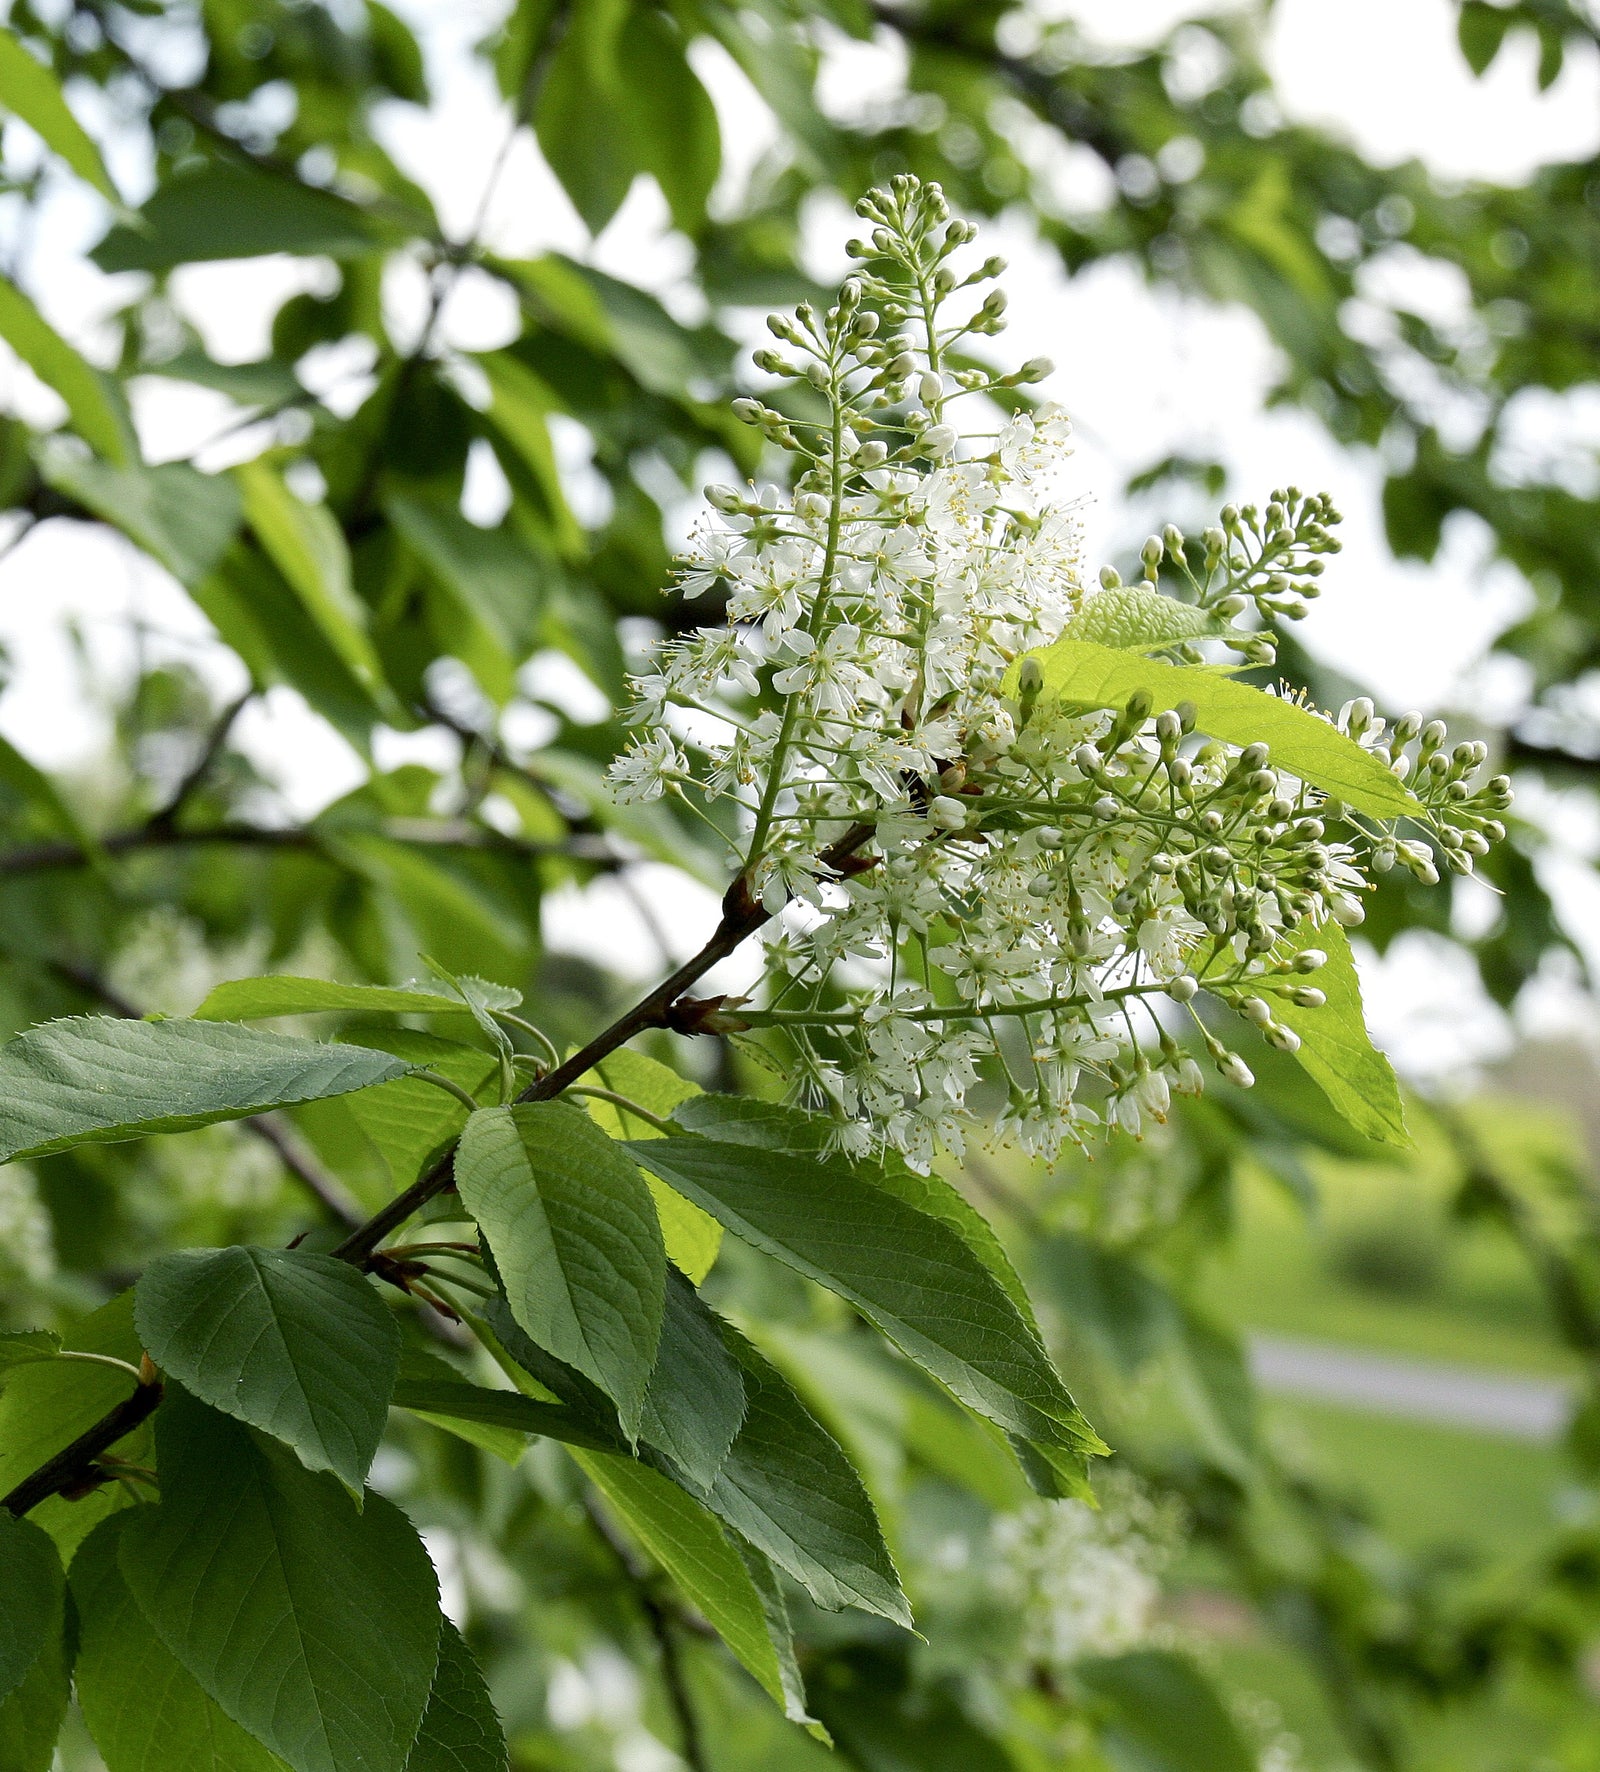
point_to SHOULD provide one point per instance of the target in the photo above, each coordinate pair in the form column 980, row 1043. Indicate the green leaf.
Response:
column 28, row 90
column 225, row 210
column 500, row 1421
column 788, row 1488
column 695, row 1402
column 308, row 547
column 461, row 1731
column 44, row 1406
column 1135, row 620
column 585, row 134
column 1165, row 1715
column 180, row 517
column 30, row 1719
column 31, row 1580
column 94, row 403
column 144, row 1710
column 25, row 1347
column 252, row 999
column 1125, row 1315
column 692, row 1237
column 1301, row 741
column 908, row 1273
column 314, row 1626
column 409, row 1122
column 1336, row 1051
column 575, row 1234
column 713, row 1576
column 31, row 782
column 94, row 1079
column 298, row 1345
column 492, row 577
column 674, row 121
column 1481, row 29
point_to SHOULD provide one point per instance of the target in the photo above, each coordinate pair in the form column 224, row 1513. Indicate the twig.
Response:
column 165, row 818
column 691, row 1745
column 76, row 1461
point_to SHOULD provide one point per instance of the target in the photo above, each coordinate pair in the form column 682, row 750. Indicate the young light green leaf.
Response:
column 1165, row 1715
column 1135, row 620
column 180, row 517
column 674, row 121
column 308, row 547
column 461, row 1731
column 313, row 1626
column 145, row 1711
column 94, row 404
column 693, row 1238
column 713, row 1576
column 28, row 90
column 775, row 1609
column 907, row 1272
column 298, row 1345
column 1336, row 1051
column 787, row 1487
column 1300, row 741
column 252, row 999
column 410, row 1122
column 695, row 1403
column 97, row 1079
column 575, row 1235
column 30, row 1580
column 25, row 1347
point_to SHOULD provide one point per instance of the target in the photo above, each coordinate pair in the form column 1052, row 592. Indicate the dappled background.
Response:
column 382, row 356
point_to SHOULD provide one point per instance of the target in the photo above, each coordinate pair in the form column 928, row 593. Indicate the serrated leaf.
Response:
column 146, row 1712
column 180, row 517
column 296, row 1344
column 788, row 1488
column 575, row 1236
column 1300, row 741
column 314, row 1626
column 423, row 1374
column 687, row 1542
column 307, row 546
column 695, row 1402
column 693, row 1238
column 253, row 999
column 31, row 1717
column 28, row 90
column 1137, row 620
column 461, row 1731
column 907, row 1272
column 97, row 1079
column 474, row 1411
column 31, row 1581
column 1336, row 1051
column 94, row 404
column 25, row 1347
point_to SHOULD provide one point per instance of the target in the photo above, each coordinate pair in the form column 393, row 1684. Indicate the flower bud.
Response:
column 1256, row 1009
column 939, row 440
column 1105, row 808
column 1308, row 996
column 723, row 498
column 1110, row 578
column 1233, row 1069
column 1347, row 910
column 1285, row 1039
column 1036, row 369
column 1030, row 675
column 872, row 455
column 1310, row 960
column 947, row 813
column 1183, row 988
column 930, row 387
column 1172, row 537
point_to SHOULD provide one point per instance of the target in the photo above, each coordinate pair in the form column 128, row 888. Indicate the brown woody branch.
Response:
column 74, row 1466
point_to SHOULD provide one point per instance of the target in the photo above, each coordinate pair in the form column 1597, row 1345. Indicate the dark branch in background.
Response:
column 665, row 1007
column 73, row 1467
column 690, row 1745
column 266, row 1127
column 164, row 819
column 1553, row 759
column 34, row 858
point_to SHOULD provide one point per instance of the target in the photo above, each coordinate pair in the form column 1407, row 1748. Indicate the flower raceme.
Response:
column 1044, row 879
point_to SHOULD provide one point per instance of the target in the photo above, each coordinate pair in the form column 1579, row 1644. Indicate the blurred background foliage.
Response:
column 1269, row 1581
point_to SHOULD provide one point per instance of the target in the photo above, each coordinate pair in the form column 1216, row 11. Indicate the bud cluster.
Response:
column 1036, row 893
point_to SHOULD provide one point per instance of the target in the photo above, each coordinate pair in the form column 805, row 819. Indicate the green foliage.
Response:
column 31, row 1573
column 91, row 1079
column 314, row 1626
column 295, row 1344
column 29, row 91
column 575, row 1236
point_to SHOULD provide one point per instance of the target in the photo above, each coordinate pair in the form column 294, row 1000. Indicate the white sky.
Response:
column 1144, row 374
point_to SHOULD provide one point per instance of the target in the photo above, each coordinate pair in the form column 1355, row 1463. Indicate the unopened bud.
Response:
column 723, row 498
column 1182, row 989
column 1310, row 960
column 947, row 813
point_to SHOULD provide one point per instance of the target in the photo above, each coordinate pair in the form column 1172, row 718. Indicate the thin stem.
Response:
column 625, row 1104
column 450, row 1087
column 530, row 1030
column 72, row 1353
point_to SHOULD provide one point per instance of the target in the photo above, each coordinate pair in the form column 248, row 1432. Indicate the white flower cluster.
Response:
column 1084, row 1580
column 968, row 880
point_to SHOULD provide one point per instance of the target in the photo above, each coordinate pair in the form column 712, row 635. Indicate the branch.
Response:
column 742, row 915
column 691, row 1746
column 33, row 858
column 74, row 1464
column 165, row 818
